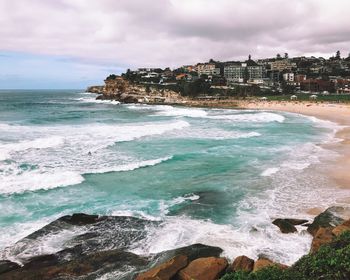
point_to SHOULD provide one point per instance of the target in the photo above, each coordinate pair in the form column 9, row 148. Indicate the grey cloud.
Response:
column 173, row 32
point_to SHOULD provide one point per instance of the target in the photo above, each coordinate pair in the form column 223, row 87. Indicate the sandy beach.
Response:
column 338, row 113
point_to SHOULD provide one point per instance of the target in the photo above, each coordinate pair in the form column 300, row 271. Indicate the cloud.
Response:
column 134, row 33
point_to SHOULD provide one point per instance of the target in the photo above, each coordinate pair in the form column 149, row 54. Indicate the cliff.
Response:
column 122, row 90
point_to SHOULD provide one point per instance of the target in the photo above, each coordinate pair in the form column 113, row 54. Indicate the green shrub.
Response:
column 331, row 261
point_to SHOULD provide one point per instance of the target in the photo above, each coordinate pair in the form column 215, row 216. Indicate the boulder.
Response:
column 338, row 230
column 242, row 263
column 296, row 222
column 322, row 236
column 166, row 270
column 6, row 266
column 204, row 269
column 263, row 262
column 332, row 217
column 285, row 226
column 192, row 252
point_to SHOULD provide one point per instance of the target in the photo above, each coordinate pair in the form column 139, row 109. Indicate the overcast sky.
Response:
column 73, row 43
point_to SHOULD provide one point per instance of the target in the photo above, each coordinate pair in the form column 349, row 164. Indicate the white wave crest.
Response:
column 270, row 171
column 263, row 117
column 40, row 143
column 132, row 166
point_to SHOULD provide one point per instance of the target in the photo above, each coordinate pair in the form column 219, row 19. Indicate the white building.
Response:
column 288, row 77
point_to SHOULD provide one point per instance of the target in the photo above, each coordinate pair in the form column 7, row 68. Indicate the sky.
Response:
column 76, row 43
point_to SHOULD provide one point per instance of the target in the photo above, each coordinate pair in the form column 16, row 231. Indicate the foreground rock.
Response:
column 204, row 269
column 6, row 266
column 263, row 262
column 92, row 265
column 96, row 246
column 321, row 237
column 166, row 270
column 242, row 263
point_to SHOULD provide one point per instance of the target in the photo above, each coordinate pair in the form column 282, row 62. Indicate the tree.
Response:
column 278, row 56
column 286, row 56
column 337, row 55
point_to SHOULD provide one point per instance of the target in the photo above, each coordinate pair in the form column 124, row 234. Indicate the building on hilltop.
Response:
column 209, row 69
column 242, row 72
column 282, row 65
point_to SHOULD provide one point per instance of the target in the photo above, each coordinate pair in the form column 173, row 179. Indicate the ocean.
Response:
column 212, row 176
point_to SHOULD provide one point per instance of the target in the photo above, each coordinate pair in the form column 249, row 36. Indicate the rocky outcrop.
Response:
column 242, row 263
column 95, row 89
column 285, row 226
column 119, row 89
column 321, row 237
column 166, row 270
column 204, row 269
column 330, row 218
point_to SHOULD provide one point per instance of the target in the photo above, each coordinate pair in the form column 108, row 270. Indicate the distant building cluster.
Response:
column 278, row 74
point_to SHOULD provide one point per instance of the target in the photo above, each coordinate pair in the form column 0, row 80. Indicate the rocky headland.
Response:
column 102, row 246
column 120, row 89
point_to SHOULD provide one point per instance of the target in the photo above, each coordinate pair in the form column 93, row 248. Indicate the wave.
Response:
column 38, row 180
column 132, row 166
column 170, row 111
column 237, row 240
column 263, row 117
column 94, row 100
column 270, row 171
column 40, row 143
column 61, row 159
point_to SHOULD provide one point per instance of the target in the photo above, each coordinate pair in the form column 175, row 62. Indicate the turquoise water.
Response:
column 212, row 176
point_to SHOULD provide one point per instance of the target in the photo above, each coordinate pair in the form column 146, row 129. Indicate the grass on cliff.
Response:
column 331, row 261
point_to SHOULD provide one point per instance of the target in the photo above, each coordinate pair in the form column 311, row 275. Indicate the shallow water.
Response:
column 212, row 176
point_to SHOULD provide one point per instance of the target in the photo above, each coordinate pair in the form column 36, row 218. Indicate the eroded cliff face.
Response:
column 122, row 90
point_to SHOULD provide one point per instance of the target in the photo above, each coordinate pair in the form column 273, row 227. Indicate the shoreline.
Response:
column 336, row 113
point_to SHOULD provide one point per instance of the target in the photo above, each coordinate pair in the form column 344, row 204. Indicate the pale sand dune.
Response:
column 339, row 113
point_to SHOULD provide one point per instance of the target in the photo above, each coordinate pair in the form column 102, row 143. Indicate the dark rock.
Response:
column 92, row 265
column 6, row 266
column 166, row 270
column 204, row 269
column 321, row 237
column 284, row 226
column 242, row 263
column 99, row 234
column 296, row 222
column 329, row 218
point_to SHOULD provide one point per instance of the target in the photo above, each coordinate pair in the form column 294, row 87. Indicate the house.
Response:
column 317, row 85
column 282, row 64
column 209, row 69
